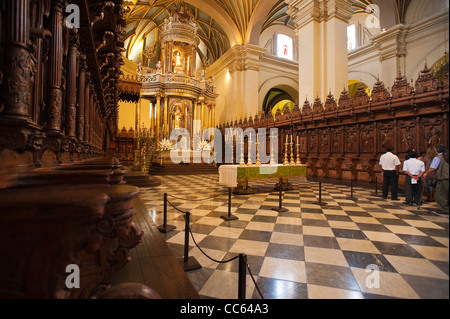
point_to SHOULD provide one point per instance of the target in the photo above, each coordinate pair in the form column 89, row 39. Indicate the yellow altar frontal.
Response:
column 237, row 176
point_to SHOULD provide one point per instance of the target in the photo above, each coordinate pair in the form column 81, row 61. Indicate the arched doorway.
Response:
column 277, row 98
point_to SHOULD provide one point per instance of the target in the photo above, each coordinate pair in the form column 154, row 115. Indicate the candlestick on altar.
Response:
column 298, row 156
column 258, row 162
column 241, row 163
column 249, row 157
column 286, row 160
column 272, row 161
column 292, row 152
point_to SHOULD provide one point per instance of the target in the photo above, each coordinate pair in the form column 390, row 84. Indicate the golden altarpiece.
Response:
column 178, row 90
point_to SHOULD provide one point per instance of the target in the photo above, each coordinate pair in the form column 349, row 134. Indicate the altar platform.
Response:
column 237, row 176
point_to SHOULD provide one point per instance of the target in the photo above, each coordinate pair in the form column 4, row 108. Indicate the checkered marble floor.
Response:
column 310, row 251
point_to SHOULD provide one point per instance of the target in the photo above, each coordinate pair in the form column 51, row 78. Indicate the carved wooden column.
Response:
column 87, row 105
column 55, row 67
column 18, row 67
column 71, row 86
column 81, row 99
column 92, row 103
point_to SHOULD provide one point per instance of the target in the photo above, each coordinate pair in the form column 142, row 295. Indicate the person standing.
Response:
column 439, row 166
column 390, row 164
column 413, row 169
column 427, row 158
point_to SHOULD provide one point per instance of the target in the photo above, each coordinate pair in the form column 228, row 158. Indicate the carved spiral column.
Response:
column 55, row 67
column 81, row 101
column 71, row 86
column 91, row 115
column 18, row 66
column 87, row 105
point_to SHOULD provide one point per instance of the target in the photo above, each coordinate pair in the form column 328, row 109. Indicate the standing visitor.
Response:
column 390, row 164
column 427, row 158
column 413, row 169
column 439, row 166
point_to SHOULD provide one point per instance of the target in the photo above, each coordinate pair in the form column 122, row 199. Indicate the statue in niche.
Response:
column 139, row 69
column 312, row 144
column 368, row 142
column 324, row 143
column 177, row 62
column 178, row 118
column 408, row 139
column 337, row 142
column 158, row 67
column 386, row 140
column 351, row 142
column 433, row 137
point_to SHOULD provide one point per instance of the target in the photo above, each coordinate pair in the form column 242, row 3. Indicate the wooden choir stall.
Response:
column 63, row 199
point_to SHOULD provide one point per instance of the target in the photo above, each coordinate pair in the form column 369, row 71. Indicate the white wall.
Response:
column 403, row 48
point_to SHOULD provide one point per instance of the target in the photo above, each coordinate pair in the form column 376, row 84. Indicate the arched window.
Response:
column 351, row 37
column 285, row 46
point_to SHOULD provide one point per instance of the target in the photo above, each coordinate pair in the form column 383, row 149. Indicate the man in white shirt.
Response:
column 390, row 164
column 413, row 169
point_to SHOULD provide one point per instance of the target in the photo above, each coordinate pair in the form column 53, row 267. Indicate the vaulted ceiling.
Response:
column 222, row 23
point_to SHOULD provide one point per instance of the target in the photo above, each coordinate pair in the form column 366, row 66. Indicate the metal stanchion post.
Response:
column 165, row 228
column 280, row 208
column 376, row 187
column 242, row 280
column 320, row 196
column 351, row 192
column 188, row 263
column 229, row 216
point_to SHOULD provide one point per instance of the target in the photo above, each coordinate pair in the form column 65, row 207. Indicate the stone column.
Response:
column 17, row 65
column 158, row 117
column 166, row 126
column 55, row 67
column 169, row 59
column 322, row 33
column 193, row 60
column 152, row 119
column 137, row 119
column 203, row 118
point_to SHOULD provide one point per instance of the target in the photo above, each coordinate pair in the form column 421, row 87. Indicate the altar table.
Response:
column 237, row 176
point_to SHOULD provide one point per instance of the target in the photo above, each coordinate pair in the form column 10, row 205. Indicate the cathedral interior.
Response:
column 271, row 103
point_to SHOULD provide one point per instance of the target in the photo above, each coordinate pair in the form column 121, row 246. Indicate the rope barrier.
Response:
column 193, row 261
column 227, row 261
column 199, row 199
column 181, row 211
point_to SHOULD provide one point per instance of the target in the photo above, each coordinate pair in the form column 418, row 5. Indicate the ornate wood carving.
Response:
column 379, row 92
column 401, row 87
